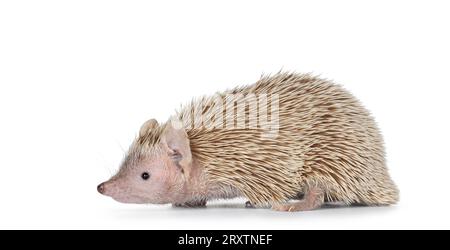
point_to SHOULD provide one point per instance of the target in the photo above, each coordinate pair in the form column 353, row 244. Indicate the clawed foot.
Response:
column 313, row 199
column 248, row 204
column 191, row 204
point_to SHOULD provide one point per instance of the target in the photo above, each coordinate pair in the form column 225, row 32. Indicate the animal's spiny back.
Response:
column 325, row 137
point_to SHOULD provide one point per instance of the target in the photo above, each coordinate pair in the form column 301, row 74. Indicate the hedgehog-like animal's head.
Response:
column 155, row 169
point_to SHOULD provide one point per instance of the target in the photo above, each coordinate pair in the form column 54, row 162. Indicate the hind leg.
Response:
column 312, row 199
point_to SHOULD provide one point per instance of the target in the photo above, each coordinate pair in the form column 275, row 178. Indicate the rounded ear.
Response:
column 148, row 125
column 177, row 142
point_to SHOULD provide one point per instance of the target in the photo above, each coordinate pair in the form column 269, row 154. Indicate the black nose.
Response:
column 101, row 188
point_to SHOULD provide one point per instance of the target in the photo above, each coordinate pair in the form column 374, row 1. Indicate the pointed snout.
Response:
column 101, row 188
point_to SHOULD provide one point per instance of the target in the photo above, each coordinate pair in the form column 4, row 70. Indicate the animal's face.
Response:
column 146, row 178
column 152, row 173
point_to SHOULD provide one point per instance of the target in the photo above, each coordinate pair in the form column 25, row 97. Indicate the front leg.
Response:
column 194, row 203
column 313, row 198
column 249, row 204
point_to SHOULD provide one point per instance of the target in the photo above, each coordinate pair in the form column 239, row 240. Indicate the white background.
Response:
column 77, row 79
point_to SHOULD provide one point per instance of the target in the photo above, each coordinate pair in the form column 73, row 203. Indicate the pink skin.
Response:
column 173, row 175
column 165, row 184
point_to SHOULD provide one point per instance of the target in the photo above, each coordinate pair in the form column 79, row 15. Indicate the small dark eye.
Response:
column 145, row 176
